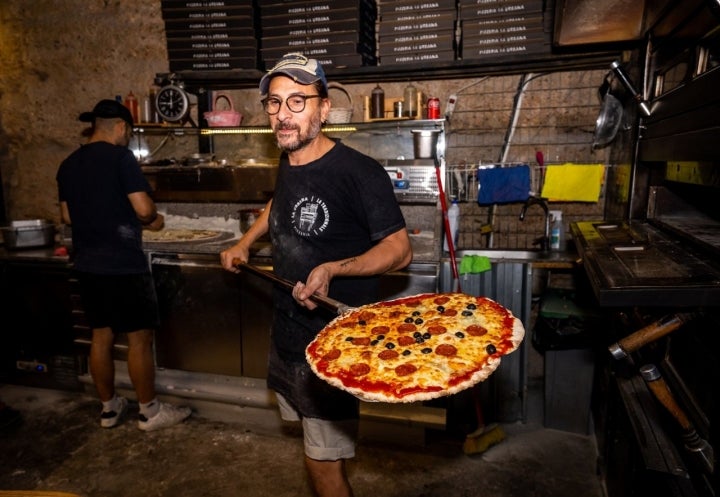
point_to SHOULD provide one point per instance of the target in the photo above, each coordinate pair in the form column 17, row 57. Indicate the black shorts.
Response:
column 123, row 302
column 309, row 395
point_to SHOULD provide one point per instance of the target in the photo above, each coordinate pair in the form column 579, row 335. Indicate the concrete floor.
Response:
column 59, row 446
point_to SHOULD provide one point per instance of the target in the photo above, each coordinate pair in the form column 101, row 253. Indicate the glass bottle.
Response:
column 410, row 97
column 377, row 107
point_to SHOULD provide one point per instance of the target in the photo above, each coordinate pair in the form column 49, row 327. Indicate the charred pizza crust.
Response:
column 415, row 348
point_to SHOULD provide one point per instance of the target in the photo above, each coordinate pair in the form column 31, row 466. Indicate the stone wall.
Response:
column 60, row 57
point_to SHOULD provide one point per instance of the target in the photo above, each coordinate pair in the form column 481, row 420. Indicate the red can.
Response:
column 433, row 108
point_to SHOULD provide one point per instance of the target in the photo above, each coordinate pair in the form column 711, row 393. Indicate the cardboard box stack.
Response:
column 502, row 28
column 416, row 32
column 207, row 36
column 338, row 33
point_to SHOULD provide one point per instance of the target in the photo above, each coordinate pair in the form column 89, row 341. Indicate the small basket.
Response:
column 340, row 115
column 222, row 118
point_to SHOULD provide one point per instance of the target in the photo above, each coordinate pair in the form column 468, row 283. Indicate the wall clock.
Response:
column 172, row 103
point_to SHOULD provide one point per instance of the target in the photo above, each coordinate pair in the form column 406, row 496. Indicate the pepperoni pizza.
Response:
column 415, row 348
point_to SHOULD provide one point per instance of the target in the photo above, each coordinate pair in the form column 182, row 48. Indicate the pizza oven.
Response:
column 654, row 266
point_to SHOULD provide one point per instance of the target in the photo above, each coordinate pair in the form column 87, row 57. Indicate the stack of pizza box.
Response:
column 416, row 32
column 490, row 29
column 208, row 36
column 338, row 33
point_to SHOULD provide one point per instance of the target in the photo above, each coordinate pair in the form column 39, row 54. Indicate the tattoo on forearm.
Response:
column 348, row 261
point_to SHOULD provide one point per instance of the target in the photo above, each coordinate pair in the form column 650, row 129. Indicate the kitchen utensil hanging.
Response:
column 608, row 121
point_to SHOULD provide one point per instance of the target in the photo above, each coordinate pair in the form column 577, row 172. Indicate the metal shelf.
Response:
column 379, row 126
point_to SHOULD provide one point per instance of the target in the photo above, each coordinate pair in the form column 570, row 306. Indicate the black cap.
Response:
column 108, row 109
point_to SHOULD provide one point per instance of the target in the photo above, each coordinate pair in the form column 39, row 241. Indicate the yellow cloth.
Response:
column 573, row 182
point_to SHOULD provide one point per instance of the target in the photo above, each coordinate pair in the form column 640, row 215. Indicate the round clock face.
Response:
column 172, row 103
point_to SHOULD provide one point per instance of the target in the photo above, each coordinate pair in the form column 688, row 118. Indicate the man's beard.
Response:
column 303, row 139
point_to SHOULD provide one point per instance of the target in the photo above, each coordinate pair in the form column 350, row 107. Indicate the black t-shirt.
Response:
column 95, row 181
column 336, row 207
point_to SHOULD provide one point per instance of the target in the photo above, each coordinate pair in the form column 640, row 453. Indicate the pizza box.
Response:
column 302, row 30
column 316, row 51
column 289, row 42
column 314, row 7
column 207, row 13
column 337, row 61
column 231, row 22
column 479, row 53
column 210, row 34
column 479, row 26
column 404, row 6
column 316, row 18
column 418, row 16
column 536, row 36
column 443, row 42
column 213, row 64
column 442, row 22
column 233, row 44
column 195, row 4
column 417, row 57
column 508, row 7
column 213, row 54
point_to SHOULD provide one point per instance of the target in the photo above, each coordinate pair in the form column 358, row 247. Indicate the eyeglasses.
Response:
column 296, row 103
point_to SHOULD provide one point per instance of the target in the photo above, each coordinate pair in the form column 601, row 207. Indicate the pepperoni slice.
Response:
column 332, row 355
column 436, row 329
column 380, row 330
column 348, row 324
column 388, row 354
column 361, row 341
column 405, row 340
column 476, row 330
column 359, row 369
column 405, row 369
column 442, row 299
column 366, row 316
column 450, row 312
column 405, row 327
column 445, row 349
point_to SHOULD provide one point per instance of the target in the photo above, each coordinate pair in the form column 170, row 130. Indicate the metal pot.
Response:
column 425, row 143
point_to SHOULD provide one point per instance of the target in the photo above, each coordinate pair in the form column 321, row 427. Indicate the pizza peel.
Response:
column 328, row 303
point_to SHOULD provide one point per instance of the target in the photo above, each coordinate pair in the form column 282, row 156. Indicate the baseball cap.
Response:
column 298, row 67
column 108, row 109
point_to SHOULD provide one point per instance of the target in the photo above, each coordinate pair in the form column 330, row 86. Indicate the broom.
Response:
column 483, row 437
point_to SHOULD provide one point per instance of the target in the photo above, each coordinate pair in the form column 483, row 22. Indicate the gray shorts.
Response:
column 324, row 440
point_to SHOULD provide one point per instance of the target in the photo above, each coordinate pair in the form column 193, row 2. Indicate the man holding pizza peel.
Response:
column 335, row 226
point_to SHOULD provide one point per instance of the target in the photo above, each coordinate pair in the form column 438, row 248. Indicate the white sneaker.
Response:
column 110, row 419
column 168, row 415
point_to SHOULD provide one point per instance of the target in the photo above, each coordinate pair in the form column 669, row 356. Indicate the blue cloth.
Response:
column 503, row 184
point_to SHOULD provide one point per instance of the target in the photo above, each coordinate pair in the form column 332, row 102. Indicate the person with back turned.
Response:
column 106, row 199
column 335, row 226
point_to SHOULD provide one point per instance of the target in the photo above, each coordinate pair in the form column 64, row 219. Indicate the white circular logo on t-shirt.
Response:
column 310, row 216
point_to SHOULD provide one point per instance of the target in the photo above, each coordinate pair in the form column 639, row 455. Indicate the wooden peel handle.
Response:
column 649, row 334
column 326, row 302
column 662, row 392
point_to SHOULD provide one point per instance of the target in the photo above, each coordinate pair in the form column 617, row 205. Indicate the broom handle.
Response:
column 446, row 221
